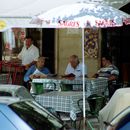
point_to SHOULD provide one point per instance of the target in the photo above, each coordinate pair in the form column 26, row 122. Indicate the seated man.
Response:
column 74, row 67
column 109, row 71
column 37, row 71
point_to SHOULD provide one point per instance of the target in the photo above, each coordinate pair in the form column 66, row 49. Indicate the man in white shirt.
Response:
column 75, row 67
column 29, row 53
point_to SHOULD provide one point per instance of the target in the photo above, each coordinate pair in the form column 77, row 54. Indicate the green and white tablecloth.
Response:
column 61, row 101
column 92, row 86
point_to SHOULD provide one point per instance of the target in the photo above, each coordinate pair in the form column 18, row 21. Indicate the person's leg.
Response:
column 111, row 89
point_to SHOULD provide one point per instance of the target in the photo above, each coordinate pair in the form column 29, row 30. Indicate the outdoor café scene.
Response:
column 48, row 68
column 66, row 74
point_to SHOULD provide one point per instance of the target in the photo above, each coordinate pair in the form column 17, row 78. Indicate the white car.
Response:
column 14, row 91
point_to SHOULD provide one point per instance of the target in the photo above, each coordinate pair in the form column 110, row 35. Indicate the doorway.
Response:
column 48, row 47
column 44, row 39
column 116, row 43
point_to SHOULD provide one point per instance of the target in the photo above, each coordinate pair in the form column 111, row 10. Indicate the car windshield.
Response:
column 23, row 93
column 36, row 116
column 2, row 93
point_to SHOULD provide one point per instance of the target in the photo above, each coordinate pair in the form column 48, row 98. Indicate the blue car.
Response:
column 17, row 114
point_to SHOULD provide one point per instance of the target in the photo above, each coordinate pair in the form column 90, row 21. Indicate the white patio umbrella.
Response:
column 82, row 15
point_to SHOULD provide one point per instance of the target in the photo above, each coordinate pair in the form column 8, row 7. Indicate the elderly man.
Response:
column 74, row 67
column 36, row 71
column 29, row 53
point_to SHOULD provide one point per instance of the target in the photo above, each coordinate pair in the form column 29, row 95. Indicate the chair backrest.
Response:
column 96, row 103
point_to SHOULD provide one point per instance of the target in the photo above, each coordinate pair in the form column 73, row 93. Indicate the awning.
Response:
column 16, row 13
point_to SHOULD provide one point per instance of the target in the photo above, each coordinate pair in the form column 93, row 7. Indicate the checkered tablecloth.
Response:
column 52, row 84
column 92, row 86
column 97, row 86
column 61, row 101
column 66, row 101
column 5, row 79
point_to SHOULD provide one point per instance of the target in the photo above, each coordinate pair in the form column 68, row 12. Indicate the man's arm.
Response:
column 113, row 77
column 28, row 73
column 95, row 75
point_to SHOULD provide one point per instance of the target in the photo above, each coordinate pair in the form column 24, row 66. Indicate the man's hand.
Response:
column 95, row 76
column 112, row 77
column 37, row 76
column 43, row 76
column 34, row 76
column 27, row 66
column 31, row 76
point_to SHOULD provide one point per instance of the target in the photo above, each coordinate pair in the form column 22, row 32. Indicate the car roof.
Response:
column 10, row 100
column 10, row 87
column 14, row 91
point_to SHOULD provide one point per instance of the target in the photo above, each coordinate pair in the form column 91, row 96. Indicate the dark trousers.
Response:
column 112, row 87
column 26, row 84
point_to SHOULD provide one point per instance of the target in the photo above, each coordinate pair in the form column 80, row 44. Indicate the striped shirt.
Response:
column 106, row 72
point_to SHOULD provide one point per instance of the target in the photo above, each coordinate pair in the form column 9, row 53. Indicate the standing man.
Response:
column 29, row 53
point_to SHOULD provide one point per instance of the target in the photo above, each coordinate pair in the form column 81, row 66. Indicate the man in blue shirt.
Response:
column 37, row 71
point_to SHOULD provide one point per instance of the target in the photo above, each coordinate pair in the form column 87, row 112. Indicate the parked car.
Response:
column 14, row 91
column 25, row 114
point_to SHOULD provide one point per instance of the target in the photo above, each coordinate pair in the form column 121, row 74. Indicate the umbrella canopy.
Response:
column 82, row 15
column 28, row 8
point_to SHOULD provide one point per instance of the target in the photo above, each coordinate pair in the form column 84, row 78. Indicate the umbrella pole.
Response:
column 83, row 65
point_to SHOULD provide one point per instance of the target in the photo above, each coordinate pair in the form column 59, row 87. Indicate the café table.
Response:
column 13, row 69
column 5, row 79
column 92, row 85
column 65, row 101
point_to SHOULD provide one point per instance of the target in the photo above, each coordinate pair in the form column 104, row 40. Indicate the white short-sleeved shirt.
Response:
column 28, row 55
column 78, row 71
